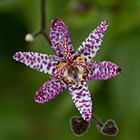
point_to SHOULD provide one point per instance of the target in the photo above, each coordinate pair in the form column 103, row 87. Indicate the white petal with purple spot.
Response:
column 92, row 44
column 49, row 90
column 59, row 33
column 82, row 99
column 103, row 71
column 41, row 62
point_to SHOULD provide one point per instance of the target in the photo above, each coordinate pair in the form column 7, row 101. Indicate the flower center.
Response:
column 72, row 71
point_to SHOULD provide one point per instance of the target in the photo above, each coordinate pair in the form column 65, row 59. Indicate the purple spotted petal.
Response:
column 49, row 90
column 93, row 42
column 103, row 71
column 41, row 62
column 59, row 33
column 82, row 99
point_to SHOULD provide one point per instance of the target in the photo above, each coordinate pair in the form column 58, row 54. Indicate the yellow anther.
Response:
column 60, row 65
column 81, row 77
column 80, row 58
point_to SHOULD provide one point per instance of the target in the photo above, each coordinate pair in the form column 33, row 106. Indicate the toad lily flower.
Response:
column 68, row 69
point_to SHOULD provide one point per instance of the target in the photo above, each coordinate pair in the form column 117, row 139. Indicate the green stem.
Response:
column 97, row 121
column 42, row 30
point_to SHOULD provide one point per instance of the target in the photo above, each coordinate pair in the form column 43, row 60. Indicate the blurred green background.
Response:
column 119, row 98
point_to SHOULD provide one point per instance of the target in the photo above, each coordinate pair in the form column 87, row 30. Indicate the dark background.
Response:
column 119, row 98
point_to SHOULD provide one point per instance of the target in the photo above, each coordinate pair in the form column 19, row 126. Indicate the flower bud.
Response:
column 29, row 37
column 109, row 128
column 78, row 125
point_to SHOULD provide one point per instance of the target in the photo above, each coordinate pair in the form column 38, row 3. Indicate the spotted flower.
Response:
column 70, row 69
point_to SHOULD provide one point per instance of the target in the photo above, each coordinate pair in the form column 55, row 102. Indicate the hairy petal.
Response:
column 49, row 90
column 103, row 71
column 59, row 34
column 93, row 42
column 41, row 62
column 82, row 99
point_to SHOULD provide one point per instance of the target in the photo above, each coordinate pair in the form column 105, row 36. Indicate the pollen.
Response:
column 80, row 58
column 60, row 65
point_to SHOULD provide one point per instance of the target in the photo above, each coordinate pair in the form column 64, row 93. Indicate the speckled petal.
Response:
column 93, row 42
column 59, row 33
column 103, row 71
column 49, row 90
column 41, row 62
column 82, row 99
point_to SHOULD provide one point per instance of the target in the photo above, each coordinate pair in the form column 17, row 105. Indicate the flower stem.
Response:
column 42, row 30
column 43, row 21
column 43, row 14
column 97, row 121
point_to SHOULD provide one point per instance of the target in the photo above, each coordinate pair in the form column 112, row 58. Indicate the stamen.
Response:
column 84, row 64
